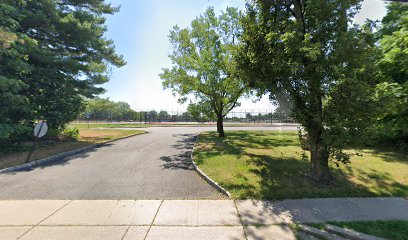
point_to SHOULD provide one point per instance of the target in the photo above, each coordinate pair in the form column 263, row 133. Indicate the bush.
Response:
column 392, row 125
column 52, row 134
column 69, row 134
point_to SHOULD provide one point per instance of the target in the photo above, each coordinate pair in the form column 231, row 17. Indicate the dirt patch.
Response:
column 42, row 150
column 46, row 148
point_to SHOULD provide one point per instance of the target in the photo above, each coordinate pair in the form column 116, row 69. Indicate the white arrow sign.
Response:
column 40, row 129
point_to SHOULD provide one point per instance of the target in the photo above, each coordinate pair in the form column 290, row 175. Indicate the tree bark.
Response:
column 319, row 156
column 220, row 126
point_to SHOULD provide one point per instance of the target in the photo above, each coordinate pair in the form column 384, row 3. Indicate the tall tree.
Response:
column 392, row 63
column 14, row 108
column 393, row 40
column 309, row 54
column 203, row 64
column 103, row 108
column 65, row 52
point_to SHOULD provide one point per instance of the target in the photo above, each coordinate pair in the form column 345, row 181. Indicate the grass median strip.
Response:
column 46, row 148
column 271, row 165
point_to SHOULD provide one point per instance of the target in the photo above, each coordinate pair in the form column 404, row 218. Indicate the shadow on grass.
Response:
column 280, row 176
column 382, row 183
column 392, row 156
column 290, row 178
column 260, row 139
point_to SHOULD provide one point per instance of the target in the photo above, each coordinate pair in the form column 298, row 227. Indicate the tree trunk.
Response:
column 220, row 126
column 319, row 156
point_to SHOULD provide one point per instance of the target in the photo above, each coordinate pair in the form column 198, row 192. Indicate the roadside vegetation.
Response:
column 272, row 165
column 391, row 229
column 53, row 56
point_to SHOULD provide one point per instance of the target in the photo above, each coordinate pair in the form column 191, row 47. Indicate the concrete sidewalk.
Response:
column 183, row 219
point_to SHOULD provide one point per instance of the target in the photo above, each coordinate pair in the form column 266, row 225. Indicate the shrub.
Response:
column 52, row 134
column 69, row 134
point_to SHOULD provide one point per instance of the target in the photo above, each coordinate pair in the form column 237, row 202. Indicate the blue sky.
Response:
column 140, row 32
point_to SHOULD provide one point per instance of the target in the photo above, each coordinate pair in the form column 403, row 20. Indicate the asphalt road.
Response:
column 156, row 165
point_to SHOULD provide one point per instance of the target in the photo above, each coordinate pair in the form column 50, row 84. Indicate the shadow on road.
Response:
column 60, row 161
column 182, row 160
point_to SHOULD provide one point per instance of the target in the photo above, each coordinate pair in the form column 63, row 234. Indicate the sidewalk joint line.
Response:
column 44, row 219
column 131, row 215
column 127, row 230
column 240, row 220
column 154, row 218
column 113, row 209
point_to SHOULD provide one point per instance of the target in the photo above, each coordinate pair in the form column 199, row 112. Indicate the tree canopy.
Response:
column 310, row 55
column 52, row 55
column 203, row 63
column 392, row 65
column 103, row 108
column 13, row 105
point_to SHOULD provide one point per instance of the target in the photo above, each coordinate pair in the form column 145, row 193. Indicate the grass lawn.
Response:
column 44, row 149
column 271, row 165
column 393, row 230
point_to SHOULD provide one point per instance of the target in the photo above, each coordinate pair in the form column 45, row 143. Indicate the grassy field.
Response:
column 271, row 165
column 393, row 230
column 48, row 148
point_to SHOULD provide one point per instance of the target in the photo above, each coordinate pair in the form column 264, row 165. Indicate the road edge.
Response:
column 210, row 181
column 56, row 157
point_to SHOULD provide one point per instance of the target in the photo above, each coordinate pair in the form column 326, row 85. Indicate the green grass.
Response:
column 271, row 165
column 393, row 230
column 390, row 229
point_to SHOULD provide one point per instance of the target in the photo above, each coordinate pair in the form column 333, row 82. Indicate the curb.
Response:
column 42, row 161
column 213, row 183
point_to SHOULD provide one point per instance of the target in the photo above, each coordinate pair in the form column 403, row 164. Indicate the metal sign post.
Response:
column 88, row 116
column 110, row 117
column 40, row 130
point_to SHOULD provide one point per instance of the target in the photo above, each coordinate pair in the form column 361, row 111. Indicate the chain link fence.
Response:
column 183, row 117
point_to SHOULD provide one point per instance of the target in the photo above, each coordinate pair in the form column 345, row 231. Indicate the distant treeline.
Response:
column 104, row 109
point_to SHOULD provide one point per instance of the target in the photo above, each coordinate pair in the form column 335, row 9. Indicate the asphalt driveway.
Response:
column 156, row 165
